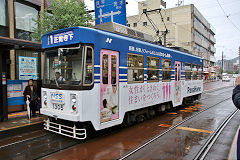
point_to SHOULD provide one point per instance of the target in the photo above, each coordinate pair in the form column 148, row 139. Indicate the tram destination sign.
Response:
column 60, row 37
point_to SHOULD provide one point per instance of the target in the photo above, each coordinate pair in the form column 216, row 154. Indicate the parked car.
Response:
column 226, row 78
column 235, row 75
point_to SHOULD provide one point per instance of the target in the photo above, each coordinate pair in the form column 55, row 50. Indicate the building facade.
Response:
column 16, row 25
column 187, row 29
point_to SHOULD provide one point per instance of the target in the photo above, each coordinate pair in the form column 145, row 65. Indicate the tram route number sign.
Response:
column 60, row 37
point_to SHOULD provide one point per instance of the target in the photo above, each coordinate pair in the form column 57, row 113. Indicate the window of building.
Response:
column 135, row 71
column 200, row 72
column 194, row 72
column 24, row 16
column 128, row 25
column 168, row 18
column 144, row 10
column 3, row 13
column 166, row 69
column 144, row 23
column 134, row 24
column 3, row 19
column 187, row 71
column 152, row 69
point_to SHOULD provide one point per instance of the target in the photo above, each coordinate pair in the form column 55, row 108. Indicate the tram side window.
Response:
column 88, row 73
column 105, row 69
column 153, row 69
column 200, row 72
column 166, row 69
column 135, row 71
column 187, row 71
column 194, row 72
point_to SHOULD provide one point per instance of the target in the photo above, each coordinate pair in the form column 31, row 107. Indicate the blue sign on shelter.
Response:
column 110, row 11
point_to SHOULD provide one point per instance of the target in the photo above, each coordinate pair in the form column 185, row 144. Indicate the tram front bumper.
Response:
column 60, row 115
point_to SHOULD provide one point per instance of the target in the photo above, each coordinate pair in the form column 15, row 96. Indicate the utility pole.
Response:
column 222, row 62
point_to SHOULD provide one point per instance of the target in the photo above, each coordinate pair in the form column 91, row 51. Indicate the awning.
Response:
column 12, row 43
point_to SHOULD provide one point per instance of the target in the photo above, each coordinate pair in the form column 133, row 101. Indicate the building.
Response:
column 187, row 29
column 16, row 25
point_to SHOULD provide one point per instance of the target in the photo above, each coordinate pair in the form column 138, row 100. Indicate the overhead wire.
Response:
column 227, row 16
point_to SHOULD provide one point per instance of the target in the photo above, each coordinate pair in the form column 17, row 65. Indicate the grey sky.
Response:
column 227, row 35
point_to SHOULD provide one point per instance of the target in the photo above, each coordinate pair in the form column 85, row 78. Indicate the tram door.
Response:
column 177, row 88
column 109, row 85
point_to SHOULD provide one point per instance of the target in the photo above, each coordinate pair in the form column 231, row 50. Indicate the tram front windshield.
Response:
column 63, row 66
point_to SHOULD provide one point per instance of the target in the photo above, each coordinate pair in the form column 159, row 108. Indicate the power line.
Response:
column 227, row 16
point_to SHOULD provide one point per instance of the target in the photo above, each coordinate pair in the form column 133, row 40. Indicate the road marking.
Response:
column 194, row 129
column 165, row 125
column 172, row 113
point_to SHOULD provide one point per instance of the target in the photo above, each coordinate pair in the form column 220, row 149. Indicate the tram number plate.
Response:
column 57, row 106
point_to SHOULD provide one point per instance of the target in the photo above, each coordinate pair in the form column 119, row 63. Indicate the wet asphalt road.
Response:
column 115, row 143
column 181, row 143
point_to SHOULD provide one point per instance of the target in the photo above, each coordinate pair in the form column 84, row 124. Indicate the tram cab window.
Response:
column 135, row 71
column 187, row 71
column 200, row 72
column 63, row 67
column 194, row 72
column 152, row 69
column 166, row 69
column 88, row 70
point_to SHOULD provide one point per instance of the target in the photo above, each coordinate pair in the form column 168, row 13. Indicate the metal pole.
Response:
column 222, row 62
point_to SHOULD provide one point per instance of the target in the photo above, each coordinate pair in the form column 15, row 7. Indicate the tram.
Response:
column 102, row 78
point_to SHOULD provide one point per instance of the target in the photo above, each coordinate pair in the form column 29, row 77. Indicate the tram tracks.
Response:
column 211, row 140
column 46, row 144
column 170, row 129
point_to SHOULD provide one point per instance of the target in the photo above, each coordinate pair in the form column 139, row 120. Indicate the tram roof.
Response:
column 67, row 36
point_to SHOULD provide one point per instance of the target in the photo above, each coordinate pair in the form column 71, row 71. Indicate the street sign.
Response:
column 110, row 11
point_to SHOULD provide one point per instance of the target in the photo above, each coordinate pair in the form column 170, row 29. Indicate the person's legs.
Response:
column 33, row 108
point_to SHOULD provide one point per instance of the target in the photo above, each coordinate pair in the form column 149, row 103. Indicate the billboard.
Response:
column 110, row 11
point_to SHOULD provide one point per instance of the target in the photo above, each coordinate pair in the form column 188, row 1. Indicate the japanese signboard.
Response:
column 110, row 11
column 61, row 37
column 27, row 68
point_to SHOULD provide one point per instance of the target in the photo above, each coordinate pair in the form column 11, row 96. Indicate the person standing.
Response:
column 30, row 93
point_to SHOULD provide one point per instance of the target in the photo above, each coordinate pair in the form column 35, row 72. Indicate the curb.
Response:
column 21, row 129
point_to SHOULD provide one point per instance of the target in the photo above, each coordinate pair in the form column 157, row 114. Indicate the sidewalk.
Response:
column 18, row 123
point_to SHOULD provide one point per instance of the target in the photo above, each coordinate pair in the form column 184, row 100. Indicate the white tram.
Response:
column 102, row 78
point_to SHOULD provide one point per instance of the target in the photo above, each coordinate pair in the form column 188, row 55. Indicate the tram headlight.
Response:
column 74, row 102
column 45, row 98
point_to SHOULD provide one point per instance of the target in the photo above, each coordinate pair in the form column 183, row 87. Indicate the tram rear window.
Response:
column 194, row 72
column 200, row 72
column 166, row 69
column 135, row 71
column 187, row 71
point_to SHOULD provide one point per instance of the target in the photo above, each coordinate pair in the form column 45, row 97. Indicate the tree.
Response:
column 61, row 14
